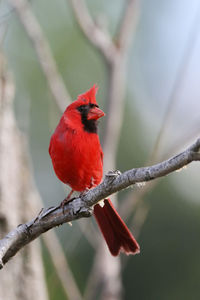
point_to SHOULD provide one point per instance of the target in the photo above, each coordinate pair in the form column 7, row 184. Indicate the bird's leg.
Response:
column 84, row 192
column 92, row 184
column 67, row 199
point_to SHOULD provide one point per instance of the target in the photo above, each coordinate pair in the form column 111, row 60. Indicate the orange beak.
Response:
column 95, row 113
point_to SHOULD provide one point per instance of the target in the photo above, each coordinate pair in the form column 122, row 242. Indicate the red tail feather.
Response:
column 116, row 233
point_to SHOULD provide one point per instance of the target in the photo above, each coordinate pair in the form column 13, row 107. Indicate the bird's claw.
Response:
column 39, row 215
column 82, row 194
column 65, row 201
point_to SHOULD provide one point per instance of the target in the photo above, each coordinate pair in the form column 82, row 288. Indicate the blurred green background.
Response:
column 169, row 264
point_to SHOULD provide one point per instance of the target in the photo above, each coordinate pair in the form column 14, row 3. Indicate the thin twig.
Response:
column 117, row 83
column 89, row 232
column 61, row 265
column 173, row 98
column 127, row 25
column 186, row 139
column 45, row 56
column 93, row 33
column 82, row 207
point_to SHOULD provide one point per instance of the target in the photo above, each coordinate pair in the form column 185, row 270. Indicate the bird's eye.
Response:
column 93, row 105
column 81, row 108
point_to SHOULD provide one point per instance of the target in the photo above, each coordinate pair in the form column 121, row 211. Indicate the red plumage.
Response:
column 77, row 159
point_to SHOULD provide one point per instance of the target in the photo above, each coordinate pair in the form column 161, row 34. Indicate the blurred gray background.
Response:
column 162, row 84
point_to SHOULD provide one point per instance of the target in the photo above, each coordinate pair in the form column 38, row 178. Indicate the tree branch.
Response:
column 82, row 206
column 96, row 35
column 128, row 25
column 44, row 53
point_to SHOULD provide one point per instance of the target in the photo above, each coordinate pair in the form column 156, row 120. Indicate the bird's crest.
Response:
column 89, row 96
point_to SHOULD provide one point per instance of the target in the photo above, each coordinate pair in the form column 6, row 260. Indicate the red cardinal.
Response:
column 77, row 159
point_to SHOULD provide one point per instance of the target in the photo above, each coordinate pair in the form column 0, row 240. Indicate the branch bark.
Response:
column 82, row 206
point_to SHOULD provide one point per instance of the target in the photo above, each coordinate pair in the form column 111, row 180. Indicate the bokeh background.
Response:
column 162, row 96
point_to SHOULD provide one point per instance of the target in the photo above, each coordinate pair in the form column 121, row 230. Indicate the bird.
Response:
column 77, row 160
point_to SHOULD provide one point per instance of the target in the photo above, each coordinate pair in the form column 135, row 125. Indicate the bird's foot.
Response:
column 38, row 216
column 84, row 192
column 66, row 200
